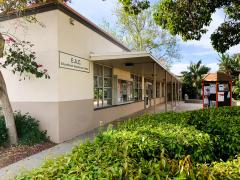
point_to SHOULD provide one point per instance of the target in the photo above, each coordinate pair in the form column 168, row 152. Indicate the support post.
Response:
column 166, row 90
column 203, row 94
column 175, row 94
column 231, row 93
column 154, row 87
column 172, row 92
column 216, row 94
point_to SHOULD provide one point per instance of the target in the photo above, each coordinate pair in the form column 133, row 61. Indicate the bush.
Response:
column 162, row 146
column 223, row 125
column 3, row 132
column 27, row 130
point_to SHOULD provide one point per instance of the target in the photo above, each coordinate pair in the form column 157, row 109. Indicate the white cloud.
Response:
column 178, row 68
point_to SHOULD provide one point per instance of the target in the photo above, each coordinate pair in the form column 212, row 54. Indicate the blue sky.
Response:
column 191, row 51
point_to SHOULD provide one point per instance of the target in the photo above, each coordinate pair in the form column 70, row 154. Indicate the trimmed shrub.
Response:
column 223, row 125
column 28, row 130
column 162, row 146
column 3, row 132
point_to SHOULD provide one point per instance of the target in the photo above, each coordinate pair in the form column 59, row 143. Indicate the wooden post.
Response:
column 203, row 94
column 154, row 87
column 178, row 92
column 175, row 94
column 216, row 94
column 231, row 93
column 172, row 92
column 166, row 89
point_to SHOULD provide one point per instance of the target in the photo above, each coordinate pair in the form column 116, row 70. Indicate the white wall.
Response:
column 45, row 41
column 80, row 41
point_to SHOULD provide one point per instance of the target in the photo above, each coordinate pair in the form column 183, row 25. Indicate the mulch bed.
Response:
column 13, row 154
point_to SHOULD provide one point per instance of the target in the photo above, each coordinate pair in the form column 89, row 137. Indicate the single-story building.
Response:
column 94, row 77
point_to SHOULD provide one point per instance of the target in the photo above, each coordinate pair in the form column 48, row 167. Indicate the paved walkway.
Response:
column 36, row 160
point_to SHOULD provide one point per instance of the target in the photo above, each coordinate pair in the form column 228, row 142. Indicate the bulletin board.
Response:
column 216, row 90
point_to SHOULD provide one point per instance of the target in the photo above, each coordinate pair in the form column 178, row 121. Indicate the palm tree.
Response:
column 230, row 64
column 195, row 74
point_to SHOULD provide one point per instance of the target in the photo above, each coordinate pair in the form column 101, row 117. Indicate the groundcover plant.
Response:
column 190, row 145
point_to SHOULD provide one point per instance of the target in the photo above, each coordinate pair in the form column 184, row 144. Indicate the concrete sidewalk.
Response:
column 36, row 160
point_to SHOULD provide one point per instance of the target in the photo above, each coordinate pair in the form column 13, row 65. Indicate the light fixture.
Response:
column 129, row 64
column 71, row 21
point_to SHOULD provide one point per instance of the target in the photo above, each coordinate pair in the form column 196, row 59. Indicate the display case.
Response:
column 216, row 90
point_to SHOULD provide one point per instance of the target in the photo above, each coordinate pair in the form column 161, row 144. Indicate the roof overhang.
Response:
column 135, row 62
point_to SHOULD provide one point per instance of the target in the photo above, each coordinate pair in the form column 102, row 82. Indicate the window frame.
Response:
column 101, row 101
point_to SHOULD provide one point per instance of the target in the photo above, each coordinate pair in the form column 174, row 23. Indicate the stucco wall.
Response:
column 75, row 87
column 39, row 97
column 45, row 41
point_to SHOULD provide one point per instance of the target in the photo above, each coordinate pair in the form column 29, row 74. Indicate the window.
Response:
column 102, row 86
column 125, row 91
column 137, row 87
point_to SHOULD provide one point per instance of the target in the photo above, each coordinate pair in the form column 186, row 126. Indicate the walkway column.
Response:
column 172, row 92
column 175, row 94
column 154, row 86
column 166, row 89
column 178, row 92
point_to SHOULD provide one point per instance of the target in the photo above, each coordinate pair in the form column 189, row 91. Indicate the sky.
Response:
column 191, row 51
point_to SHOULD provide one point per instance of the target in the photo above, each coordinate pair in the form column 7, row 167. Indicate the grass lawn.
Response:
column 190, row 145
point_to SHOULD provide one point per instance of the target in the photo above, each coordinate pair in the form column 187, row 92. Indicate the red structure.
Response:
column 216, row 90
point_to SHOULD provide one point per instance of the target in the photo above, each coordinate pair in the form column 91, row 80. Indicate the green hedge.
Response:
column 223, row 125
column 3, row 133
column 27, row 130
column 162, row 146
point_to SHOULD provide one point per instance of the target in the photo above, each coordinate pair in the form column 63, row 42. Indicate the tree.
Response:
column 19, row 58
column 193, row 77
column 140, row 33
column 231, row 66
column 189, row 19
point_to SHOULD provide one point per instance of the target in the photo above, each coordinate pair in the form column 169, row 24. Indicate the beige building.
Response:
column 93, row 76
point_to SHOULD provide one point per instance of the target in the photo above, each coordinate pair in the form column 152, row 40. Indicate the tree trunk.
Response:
column 7, row 112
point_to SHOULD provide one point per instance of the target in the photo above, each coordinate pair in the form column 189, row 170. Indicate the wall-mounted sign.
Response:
column 68, row 61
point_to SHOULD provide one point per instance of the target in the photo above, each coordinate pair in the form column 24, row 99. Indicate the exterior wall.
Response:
column 109, row 114
column 76, row 88
column 39, row 97
column 64, row 104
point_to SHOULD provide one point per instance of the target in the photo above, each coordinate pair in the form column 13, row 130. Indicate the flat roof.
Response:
column 50, row 6
column 130, row 57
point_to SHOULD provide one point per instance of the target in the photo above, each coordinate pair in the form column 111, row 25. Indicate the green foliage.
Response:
column 222, row 171
column 134, row 7
column 231, row 66
column 224, row 127
column 3, row 133
column 21, row 59
column 27, row 130
column 192, row 78
column 140, row 33
column 161, row 146
column 190, row 18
